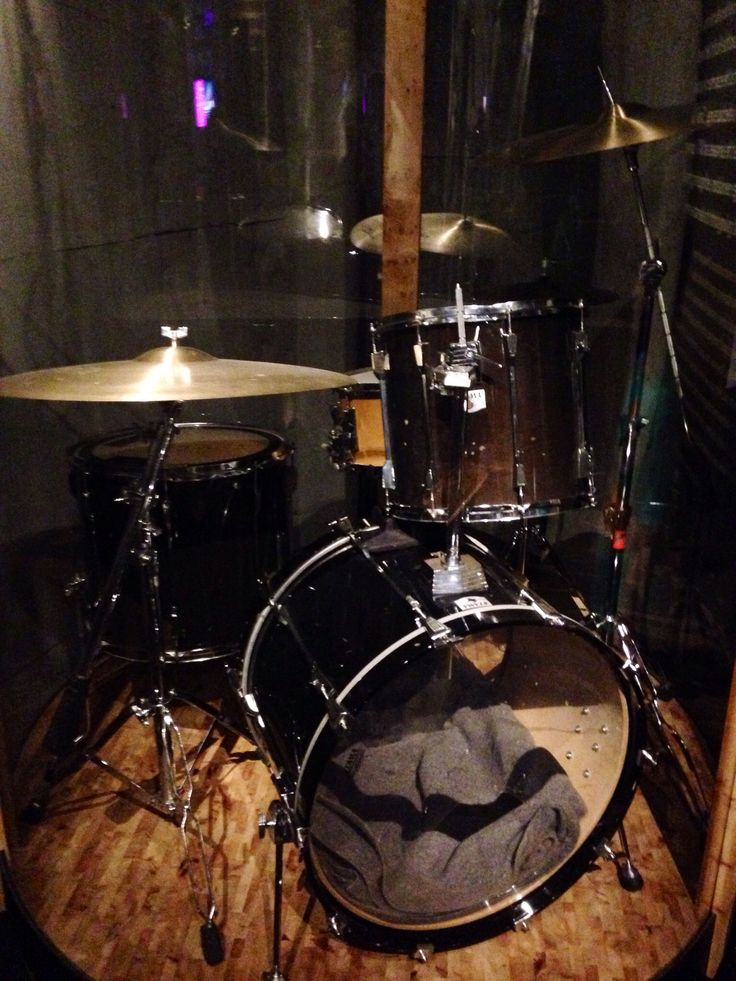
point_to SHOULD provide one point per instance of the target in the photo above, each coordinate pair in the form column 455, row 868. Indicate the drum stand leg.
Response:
column 68, row 737
column 276, row 821
column 629, row 876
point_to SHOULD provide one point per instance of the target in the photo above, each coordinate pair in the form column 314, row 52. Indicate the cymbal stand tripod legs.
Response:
column 71, row 741
column 613, row 631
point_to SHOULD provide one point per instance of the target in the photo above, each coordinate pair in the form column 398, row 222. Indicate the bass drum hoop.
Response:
column 358, row 926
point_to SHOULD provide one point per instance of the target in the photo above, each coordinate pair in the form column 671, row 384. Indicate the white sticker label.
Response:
column 457, row 379
column 476, row 399
column 473, row 603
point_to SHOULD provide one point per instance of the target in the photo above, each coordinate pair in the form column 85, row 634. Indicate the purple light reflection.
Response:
column 204, row 101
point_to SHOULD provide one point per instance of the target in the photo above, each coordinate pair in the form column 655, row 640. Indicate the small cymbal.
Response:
column 168, row 374
column 448, row 234
column 440, row 233
column 367, row 235
column 619, row 126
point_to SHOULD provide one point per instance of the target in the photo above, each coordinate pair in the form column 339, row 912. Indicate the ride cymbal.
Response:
column 440, row 233
column 618, row 127
column 168, row 374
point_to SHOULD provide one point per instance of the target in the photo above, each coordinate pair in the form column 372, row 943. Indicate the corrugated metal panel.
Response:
column 704, row 327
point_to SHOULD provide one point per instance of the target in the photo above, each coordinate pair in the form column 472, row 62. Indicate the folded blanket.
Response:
column 432, row 823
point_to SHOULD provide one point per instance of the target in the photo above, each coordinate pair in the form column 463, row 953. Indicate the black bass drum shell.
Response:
column 547, row 694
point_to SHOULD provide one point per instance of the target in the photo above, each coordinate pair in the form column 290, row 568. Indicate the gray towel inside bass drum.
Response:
column 423, row 823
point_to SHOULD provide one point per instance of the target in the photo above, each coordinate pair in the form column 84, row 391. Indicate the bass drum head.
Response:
column 475, row 781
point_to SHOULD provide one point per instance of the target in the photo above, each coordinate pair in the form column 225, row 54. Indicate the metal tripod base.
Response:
column 172, row 801
column 457, row 574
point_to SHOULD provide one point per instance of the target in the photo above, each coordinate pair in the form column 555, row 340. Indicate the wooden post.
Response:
column 402, row 153
column 717, row 887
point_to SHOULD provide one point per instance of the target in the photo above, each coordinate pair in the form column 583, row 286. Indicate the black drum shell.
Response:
column 221, row 515
column 549, row 406
column 361, row 634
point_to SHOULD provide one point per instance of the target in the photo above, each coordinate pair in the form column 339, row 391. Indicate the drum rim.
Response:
column 478, row 313
column 81, row 454
column 362, row 929
column 492, row 513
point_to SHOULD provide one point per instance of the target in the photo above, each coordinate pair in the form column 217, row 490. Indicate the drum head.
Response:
column 471, row 785
column 475, row 780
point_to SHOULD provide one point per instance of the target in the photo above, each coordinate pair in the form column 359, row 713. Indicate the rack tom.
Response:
column 514, row 441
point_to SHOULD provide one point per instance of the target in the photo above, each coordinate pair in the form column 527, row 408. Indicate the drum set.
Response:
column 450, row 751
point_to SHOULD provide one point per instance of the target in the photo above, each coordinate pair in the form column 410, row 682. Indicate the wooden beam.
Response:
column 402, row 153
column 717, row 887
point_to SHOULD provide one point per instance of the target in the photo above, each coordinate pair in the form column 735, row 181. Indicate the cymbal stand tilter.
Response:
column 69, row 732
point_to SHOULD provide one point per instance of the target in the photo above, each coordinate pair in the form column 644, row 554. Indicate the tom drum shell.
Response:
column 520, row 446
column 221, row 515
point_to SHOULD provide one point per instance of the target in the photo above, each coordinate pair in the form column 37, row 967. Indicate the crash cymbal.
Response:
column 440, row 233
column 545, row 288
column 168, row 374
column 619, row 126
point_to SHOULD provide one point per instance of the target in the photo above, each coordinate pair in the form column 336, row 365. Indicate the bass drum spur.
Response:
column 452, row 765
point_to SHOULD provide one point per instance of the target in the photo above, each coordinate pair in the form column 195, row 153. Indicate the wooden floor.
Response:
column 109, row 883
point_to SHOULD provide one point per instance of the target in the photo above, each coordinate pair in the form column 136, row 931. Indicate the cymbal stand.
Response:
column 65, row 735
column 618, row 515
column 278, row 823
column 632, row 162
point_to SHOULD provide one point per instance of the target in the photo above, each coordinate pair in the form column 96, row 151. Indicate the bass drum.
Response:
column 446, row 788
column 221, row 516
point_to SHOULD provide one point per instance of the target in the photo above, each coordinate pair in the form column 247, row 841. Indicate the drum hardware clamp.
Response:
column 440, row 634
column 339, row 717
column 456, row 572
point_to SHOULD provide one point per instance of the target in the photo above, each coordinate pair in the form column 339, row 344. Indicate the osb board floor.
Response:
column 106, row 881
